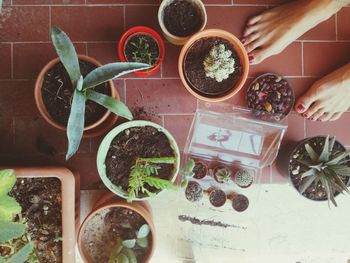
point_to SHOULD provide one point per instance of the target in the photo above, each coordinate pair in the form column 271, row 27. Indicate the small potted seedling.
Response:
column 200, row 169
column 187, row 173
column 243, row 178
column 240, row 202
column 180, row 19
column 213, row 65
column 319, row 168
column 143, row 45
column 270, row 97
column 222, row 174
column 72, row 94
column 193, row 192
column 217, row 197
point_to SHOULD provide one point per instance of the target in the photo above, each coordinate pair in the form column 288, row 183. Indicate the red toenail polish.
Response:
column 251, row 58
column 304, row 115
column 300, row 108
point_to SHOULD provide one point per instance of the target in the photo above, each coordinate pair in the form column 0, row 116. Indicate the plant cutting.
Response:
column 179, row 19
column 143, row 45
column 222, row 174
column 243, row 178
column 187, row 173
column 62, row 95
column 240, row 202
column 138, row 159
column 217, row 197
column 319, row 168
column 193, row 192
column 213, row 65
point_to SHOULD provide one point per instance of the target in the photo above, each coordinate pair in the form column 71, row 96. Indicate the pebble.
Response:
column 295, row 172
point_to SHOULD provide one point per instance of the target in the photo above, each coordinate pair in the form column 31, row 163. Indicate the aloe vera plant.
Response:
column 83, row 90
column 327, row 168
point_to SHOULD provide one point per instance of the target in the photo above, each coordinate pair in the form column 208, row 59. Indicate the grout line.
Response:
column 177, row 114
column 124, row 90
column 336, row 26
column 12, row 73
column 163, row 120
column 86, row 48
column 302, row 58
column 124, row 16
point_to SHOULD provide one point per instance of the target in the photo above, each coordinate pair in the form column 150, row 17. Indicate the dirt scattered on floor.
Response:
column 196, row 221
column 45, row 147
column 143, row 113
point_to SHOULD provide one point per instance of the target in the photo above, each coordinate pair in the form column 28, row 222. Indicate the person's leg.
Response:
column 328, row 97
column 272, row 31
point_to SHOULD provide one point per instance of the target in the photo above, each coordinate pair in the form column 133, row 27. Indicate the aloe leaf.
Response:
column 337, row 180
column 340, row 169
column 143, row 231
column 304, row 162
column 75, row 127
column 324, row 156
column 113, row 105
column 22, row 254
column 329, row 189
column 167, row 160
column 66, row 52
column 338, row 158
column 307, row 183
column 142, row 242
column 129, row 243
column 309, row 173
column 331, row 144
column 7, row 181
column 11, row 230
column 111, row 71
column 312, row 154
column 9, row 207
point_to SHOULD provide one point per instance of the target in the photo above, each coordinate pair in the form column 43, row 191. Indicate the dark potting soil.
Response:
column 240, row 203
column 57, row 94
column 315, row 191
column 196, row 221
column 40, row 199
column 142, row 48
column 133, row 143
column 199, row 170
column 193, row 192
column 182, row 18
column 195, row 73
column 217, row 198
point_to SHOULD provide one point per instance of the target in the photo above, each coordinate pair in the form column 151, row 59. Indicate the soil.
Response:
column 314, row 192
column 41, row 202
column 182, row 18
column 195, row 73
column 104, row 230
column 193, row 192
column 270, row 97
column 200, row 170
column 136, row 52
column 57, row 94
column 240, row 203
column 217, row 198
column 133, row 143
column 196, row 221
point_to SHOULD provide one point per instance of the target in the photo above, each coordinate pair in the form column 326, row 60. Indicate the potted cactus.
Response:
column 71, row 91
column 222, row 174
column 240, row 202
column 217, row 197
column 319, row 168
column 243, row 178
column 193, row 192
column 200, row 169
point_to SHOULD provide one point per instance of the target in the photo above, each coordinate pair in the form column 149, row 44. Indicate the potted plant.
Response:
column 243, row 178
column 138, row 159
column 71, row 91
column 193, row 192
column 187, row 173
column 213, row 65
column 240, row 202
column 270, row 97
column 37, row 215
column 180, row 19
column 217, row 197
column 200, row 169
column 117, row 231
column 319, row 168
column 144, row 45
column 222, row 174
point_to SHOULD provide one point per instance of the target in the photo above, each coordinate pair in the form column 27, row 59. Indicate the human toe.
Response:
column 304, row 103
column 336, row 116
column 312, row 109
column 317, row 115
column 253, row 20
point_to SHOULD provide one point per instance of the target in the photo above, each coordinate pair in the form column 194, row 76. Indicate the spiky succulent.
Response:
column 243, row 178
column 326, row 168
column 223, row 174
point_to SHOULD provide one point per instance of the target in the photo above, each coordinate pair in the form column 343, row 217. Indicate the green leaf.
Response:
column 312, row 154
column 337, row 180
column 329, row 189
column 342, row 170
column 11, row 230
column 143, row 231
column 324, row 156
column 307, row 183
column 113, row 105
column 129, row 243
column 338, row 158
column 130, row 255
column 2, row 260
column 158, row 183
column 309, row 173
column 75, row 127
column 304, row 162
column 111, row 71
column 7, row 181
column 115, row 252
column 66, row 51
column 142, row 242
column 22, row 254
column 167, row 160
column 9, row 207
column 331, row 144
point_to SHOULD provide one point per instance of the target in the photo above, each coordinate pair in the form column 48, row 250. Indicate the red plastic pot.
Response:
column 146, row 31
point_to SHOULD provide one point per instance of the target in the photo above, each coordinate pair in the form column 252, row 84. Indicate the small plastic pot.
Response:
column 144, row 31
column 217, row 197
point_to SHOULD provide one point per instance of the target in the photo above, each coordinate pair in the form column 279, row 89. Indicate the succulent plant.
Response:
column 193, row 192
column 222, row 174
column 325, row 168
column 83, row 90
column 187, row 173
column 243, row 178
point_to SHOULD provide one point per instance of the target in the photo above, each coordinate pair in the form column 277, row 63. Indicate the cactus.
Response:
column 243, row 178
column 222, row 174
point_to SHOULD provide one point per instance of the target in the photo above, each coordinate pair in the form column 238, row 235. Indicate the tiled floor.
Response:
column 96, row 26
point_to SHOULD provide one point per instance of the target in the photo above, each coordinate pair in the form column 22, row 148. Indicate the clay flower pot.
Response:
column 108, row 202
column 68, row 185
column 200, row 169
column 180, row 40
column 193, row 192
column 217, row 197
column 96, row 129
column 241, row 54
column 146, row 31
column 240, row 202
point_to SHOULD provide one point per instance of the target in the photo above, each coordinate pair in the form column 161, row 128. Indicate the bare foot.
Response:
column 328, row 97
column 272, row 31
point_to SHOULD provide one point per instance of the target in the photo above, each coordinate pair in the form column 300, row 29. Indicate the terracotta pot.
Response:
column 68, row 185
column 238, row 46
column 106, row 142
column 203, row 165
column 111, row 201
column 92, row 130
column 217, row 192
column 170, row 37
column 145, row 31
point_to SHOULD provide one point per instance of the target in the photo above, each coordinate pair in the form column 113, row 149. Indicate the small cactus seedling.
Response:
column 243, row 178
column 222, row 174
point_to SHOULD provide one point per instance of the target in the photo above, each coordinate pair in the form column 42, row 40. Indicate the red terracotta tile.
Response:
column 279, row 174
column 142, row 16
column 170, row 61
column 300, row 85
column 103, row 52
column 260, row 2
column 337, row 128
column 178, row 126
column 240, row 98
column 159, row 96
column 323, row 57
column 29, row 59
column 266, row 175
column 323, row 31
column 46, row 2
column 89, row 23
column 6, row 133
column 119, row 84
column 5, row 58
column 24, row 23
column 217, row 2
column 344, row 24
column 296, row 128
column 143, row 2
